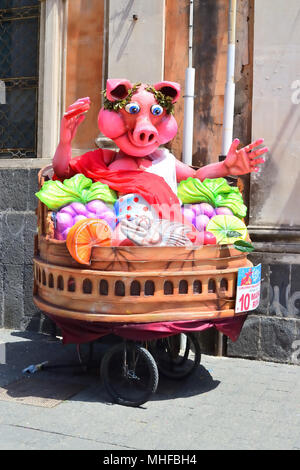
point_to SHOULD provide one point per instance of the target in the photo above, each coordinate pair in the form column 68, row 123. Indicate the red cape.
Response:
column 152, row 188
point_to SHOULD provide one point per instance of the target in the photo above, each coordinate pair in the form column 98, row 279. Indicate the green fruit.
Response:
column 227, row 229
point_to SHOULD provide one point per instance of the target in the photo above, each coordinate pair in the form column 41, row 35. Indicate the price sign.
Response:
column 248, row 289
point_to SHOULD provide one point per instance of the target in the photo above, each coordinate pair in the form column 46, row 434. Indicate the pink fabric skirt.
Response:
column 79, row 331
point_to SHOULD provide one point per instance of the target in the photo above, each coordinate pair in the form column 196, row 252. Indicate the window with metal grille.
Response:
column 19, row 39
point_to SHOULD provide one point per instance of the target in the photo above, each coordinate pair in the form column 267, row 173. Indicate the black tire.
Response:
column 174, row 361
column 130, row 381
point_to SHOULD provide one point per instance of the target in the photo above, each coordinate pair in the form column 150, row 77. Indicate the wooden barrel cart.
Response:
column 133, row 284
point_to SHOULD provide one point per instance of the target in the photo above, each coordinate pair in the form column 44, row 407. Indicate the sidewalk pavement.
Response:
column 227, row 404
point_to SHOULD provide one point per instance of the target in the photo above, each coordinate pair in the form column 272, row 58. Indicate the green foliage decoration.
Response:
column 55, row 194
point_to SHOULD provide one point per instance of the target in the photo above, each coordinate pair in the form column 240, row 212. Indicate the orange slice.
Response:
column 84, row 235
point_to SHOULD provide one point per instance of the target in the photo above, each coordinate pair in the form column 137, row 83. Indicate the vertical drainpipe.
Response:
column 230, row 85
column 188, row 123
column 228, row 107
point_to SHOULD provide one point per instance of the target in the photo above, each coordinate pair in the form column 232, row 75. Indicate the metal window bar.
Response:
column 19, row 38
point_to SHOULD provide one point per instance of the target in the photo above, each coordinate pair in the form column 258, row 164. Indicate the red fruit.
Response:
column 197, row 238
column 127, row 242
column 209, row 238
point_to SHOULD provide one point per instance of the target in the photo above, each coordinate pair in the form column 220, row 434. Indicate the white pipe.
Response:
column 230, row 85
column 188, row 123
column 191, row 29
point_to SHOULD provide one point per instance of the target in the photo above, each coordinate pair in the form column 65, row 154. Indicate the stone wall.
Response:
column 17, row 228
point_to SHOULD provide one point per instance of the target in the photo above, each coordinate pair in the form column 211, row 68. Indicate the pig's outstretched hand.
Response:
column 245, row 160
column 74, row 115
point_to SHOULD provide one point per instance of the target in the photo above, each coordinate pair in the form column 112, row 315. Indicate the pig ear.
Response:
column 117, row 88
column 171, row 89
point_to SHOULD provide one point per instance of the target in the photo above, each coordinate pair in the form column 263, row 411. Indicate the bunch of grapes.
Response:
column 200, row 214
column 66, row 217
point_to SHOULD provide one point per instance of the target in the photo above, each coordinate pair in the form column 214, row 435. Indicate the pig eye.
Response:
column 132, row 108
column 156, row 110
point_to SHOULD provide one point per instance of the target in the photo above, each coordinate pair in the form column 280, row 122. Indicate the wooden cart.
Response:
column 133, row 284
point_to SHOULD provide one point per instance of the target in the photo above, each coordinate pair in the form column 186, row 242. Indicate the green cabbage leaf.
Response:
column 215, row 192
column 55, row 194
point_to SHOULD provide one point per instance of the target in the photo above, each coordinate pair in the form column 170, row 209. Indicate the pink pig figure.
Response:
column 138, row 119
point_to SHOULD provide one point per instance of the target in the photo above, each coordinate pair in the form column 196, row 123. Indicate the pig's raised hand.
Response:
column 245, row 160
column 74, row 115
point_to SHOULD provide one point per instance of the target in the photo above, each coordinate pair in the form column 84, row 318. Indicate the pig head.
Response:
column 135, row 119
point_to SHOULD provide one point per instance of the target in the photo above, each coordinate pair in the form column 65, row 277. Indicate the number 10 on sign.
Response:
column 248, row 289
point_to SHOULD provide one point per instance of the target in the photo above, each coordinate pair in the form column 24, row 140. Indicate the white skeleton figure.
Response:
column 144, row 231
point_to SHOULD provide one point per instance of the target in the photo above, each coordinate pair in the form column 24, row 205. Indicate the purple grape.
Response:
column 79, row 208
column 201, row 222
column 110, row 218
column 223, row 211
column 67, row 210
column 206, row 209
column 96, row 206
column 78, row 217
column 65, row 233
column 73, row 213
column 63, row 221
column 91, row 215
column 188, row 214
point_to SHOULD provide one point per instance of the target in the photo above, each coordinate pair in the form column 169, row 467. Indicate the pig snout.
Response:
column 144, row 133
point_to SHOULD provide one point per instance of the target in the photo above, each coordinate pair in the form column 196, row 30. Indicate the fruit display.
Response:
column 69, row 215
column 218, row 225
column 211, row 208
column 55, row 194
column 199, row 215
column 84, row 235
column 215, row 192
column 227, row 229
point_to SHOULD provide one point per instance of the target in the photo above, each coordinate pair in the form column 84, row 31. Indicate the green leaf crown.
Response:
column 163, row 100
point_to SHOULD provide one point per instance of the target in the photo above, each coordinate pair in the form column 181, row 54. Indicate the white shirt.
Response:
column 164, row 165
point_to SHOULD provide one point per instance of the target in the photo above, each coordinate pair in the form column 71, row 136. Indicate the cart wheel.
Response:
column 177, row 356
column 129, row 373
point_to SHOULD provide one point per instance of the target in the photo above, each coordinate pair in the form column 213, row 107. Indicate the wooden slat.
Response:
column 84, row 63
column 189, row 314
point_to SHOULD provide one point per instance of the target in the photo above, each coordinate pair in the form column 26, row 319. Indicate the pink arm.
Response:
column 69, row 124
column 215, row 170
column 61, row 160
column 237, row 162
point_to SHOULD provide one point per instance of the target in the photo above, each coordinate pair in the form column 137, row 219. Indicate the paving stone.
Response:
column 224, row 414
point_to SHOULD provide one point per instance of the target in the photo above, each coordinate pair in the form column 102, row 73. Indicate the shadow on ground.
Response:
column 39, row 348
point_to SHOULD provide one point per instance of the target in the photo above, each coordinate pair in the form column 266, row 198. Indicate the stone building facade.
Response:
column 55, row 51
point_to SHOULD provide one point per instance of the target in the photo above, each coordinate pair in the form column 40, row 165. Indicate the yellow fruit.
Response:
column 227, row 229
